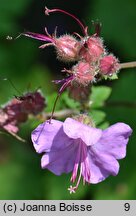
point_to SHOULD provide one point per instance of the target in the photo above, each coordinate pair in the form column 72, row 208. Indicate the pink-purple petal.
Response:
column 76, row 130
column 101, row 166
column 103, row 155
column 114, row 140
column 71, row 145
column 37, row 36
column 61, row 161
column 49, row 136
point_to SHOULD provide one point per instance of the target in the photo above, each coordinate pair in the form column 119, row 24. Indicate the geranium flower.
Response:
column 70, row 146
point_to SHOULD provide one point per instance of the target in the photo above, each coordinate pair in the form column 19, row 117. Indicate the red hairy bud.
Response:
column 92, row 50
column 83, row 73
column 67, row 48
column 108, row 65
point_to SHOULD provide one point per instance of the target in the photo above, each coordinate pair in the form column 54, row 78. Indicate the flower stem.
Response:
column 127, row 65
column 47, row 11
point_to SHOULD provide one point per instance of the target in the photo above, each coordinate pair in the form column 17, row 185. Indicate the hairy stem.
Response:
column 128, row 65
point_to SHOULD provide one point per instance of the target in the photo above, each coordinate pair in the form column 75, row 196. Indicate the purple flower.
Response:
column 70, row 146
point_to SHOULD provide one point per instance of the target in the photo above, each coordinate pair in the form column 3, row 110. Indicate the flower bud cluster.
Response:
column 93, row 60
column 88, row 53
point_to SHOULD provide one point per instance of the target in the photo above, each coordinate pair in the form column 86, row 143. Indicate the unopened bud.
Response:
column 84, row 73
column 109, row 65
column 67, row 48
column 92, row 50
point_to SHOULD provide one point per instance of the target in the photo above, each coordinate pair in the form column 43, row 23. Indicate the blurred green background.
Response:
column 27, row 66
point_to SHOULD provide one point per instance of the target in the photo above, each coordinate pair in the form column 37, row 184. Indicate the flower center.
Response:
column 82, row 163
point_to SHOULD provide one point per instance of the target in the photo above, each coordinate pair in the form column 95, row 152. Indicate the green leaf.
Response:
column 63, row 102
column 113, row 77
column 104, row 125
column 98, row 116
column 99, row 95
column 51, row 98
column 70, row 103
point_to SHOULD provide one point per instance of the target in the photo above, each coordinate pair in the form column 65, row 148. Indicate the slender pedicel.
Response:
column 66, row 83
column 84, row 29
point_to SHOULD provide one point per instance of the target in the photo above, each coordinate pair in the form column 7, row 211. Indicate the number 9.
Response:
column 127, row 206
